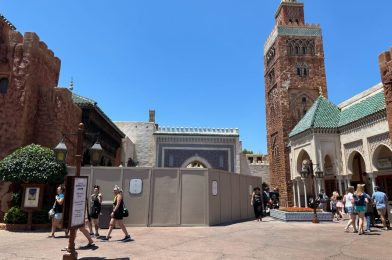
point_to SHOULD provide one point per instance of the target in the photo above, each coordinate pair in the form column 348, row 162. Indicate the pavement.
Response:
column 269, row 239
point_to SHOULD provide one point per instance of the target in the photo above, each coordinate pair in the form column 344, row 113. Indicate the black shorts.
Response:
column 118, row 215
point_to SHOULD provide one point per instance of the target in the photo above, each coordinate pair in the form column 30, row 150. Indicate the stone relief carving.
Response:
column 377, row 140
column 273, row 98
column 353, row 146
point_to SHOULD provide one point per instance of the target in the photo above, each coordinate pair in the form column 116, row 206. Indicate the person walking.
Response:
column 256, row 202
column 95, row 210
column 369, row 213
column 360, row 201
column 340, row 206
column 348, row 201
column 380, row 199
column 333, row 205
column 117, row 215
column 58, row 210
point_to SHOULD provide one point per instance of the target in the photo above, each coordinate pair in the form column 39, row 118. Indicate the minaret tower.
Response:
column 294, row 74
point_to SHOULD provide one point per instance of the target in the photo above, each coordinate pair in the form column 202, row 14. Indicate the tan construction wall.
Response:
column 176, row 197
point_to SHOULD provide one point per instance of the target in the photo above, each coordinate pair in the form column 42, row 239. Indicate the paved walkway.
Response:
column 269, row 239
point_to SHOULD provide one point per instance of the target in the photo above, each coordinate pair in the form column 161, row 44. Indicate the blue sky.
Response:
column 196, row 62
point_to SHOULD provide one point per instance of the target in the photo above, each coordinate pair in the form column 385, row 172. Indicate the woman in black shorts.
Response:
column 117, row 214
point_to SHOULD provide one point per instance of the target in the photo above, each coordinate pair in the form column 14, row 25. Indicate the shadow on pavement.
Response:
column 103, row 258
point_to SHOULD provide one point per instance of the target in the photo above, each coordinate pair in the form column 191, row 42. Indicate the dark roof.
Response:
column 84, row 102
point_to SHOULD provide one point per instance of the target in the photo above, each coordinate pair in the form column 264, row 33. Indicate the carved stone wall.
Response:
column 294, row 74
column 385, row 63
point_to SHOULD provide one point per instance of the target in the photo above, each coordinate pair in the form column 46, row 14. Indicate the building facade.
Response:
column 183, row 147
column 350, row 143
column 294, row 73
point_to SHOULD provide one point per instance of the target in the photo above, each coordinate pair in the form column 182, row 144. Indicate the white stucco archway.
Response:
column 382, row 158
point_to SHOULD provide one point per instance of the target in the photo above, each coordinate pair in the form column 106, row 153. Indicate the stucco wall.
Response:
column 176, row 197
column 141, row 134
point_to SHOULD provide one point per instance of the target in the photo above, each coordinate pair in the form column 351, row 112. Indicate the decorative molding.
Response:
column 196, row 140
column 299, row 31
column 377, row 140
column 353, row 146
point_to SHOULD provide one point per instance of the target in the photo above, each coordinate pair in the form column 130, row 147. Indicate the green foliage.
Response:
column 16, row 199
column 245, row 151
column 15, row 216
column 32, row 164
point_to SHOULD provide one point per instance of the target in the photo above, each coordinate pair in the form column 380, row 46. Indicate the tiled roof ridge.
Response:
column 317, row 104
column 87, row 100
column 360, row 96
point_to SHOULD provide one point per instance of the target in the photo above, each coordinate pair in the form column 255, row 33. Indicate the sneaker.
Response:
column 126, row 238
column 105, row 239
column 96, row 235
column 355, row 231
column 89, row 245
column 385, row 228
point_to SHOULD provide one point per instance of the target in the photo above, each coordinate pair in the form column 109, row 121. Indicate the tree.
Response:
column 247, row 151
column 32, row 164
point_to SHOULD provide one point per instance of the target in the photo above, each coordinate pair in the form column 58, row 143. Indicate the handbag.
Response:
column 51, row 212
column 125, row 212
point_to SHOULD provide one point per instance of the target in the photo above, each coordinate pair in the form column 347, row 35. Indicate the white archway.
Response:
column 197, row 160
column 382, row 158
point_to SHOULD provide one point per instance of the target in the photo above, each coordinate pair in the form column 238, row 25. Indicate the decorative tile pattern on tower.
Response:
column 294, row 73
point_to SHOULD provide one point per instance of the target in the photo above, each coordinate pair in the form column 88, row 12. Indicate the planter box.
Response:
column 24, row 227
column 300, row 216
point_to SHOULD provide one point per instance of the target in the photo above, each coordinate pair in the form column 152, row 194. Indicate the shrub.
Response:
column 15, row 216
column 16, row 199
column 32, row 164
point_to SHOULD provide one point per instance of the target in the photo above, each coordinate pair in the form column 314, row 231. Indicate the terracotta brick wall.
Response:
column 33, row 109
column 289, row 95
column 385, row 63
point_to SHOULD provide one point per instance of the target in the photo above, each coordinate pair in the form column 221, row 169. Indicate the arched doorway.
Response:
column 382, row 162
column 358, row 169
column 304, row 187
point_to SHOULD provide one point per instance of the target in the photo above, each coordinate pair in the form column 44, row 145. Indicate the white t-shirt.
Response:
column 349, row 197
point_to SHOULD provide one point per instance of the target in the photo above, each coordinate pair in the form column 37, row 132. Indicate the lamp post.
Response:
column 308, row 171
column 61, row 153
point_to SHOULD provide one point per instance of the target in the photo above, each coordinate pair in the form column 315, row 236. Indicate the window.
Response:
column 3, row 86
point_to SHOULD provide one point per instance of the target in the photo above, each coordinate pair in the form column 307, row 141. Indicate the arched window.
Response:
column 3, row 86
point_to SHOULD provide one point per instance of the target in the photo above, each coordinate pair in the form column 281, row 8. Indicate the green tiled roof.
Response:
column 325, row 115
column 84, row 102
column 79, row 100
column 322, row 114
column 366, row 107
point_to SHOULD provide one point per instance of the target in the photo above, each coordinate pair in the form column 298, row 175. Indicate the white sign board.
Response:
column 214, row 188
column 79, row 201
column 135, row 186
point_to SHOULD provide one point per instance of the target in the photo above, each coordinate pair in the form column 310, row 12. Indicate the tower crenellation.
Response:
column 294, row 72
